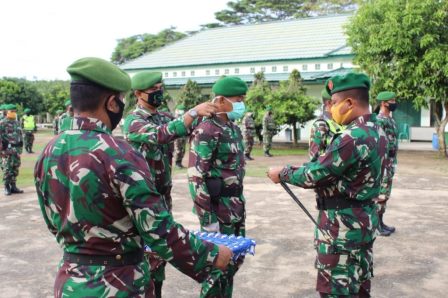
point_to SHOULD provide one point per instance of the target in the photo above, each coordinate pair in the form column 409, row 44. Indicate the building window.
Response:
column 274, row 68
column 305, row 67
column 192, row 73
column 166, row 75
column 226, row 71
column 252, row 70
column 330, row 66
column 263, row 69
column 285, row 68
column 236, row 71
column 317, row 66
column 217, row 72
column 183, row 73
column 207, row 72
column 174, row 74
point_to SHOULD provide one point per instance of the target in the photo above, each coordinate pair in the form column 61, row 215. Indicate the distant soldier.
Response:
column 66, row 118
column 346, row 179
column 152, row 133
column 29, row 128
column 248, row 131
column 11, row 143
column 2, row 111
column 179, row 143
column 56, row 122
column 216, row 169
column 98, row 198
column 269, row 130
column 323, row 129
column 387, row 106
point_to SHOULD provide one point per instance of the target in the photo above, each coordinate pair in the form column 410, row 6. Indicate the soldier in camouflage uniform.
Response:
column 346, row 178
column 152, row 133
column 323, row 129
column 269, row 130
column 66, row 118
column 248, row 134
column 56, row 122
column 387, row 123
column 99, row 200
column 216, row 171
column 29, row 128
column 2, row 112
column 11, row 143
column 179, row 143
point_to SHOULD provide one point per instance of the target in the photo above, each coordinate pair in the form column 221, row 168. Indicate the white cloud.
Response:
column 41, row 38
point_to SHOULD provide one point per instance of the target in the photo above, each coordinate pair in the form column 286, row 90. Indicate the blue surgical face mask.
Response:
column 238, row 110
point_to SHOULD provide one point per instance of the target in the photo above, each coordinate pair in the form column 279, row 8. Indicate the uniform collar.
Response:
column 363, row 119
column 85, row 123
column 144, row 111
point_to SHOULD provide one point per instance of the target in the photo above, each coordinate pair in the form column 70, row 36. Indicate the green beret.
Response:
column 59, row 111
column 11, row 107
column 2, row 107
column 325, row 95
column 349, row 81
column 100, row 72
column 268, row 108
column 68, row 102
column 27, row 110
column 180, row 107
column 386, row 95
column 145, row 80
column 229, row 86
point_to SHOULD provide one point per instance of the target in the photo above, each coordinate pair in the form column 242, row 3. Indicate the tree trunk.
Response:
column 294, row 133
column 441, row 133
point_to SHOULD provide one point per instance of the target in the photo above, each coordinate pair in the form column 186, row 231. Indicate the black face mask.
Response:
column 392, row 106
column 115, row 117
column 155, row 98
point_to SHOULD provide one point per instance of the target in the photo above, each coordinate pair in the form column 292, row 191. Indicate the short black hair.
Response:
column 359, row 94
column 87, row 96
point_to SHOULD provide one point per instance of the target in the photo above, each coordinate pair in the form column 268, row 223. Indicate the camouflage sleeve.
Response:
column 340, row 156
column 156, row 225
column 140, row 131
column 204, row 141
column 318, row 138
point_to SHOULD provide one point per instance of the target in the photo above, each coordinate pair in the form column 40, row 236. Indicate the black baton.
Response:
column 296, row 199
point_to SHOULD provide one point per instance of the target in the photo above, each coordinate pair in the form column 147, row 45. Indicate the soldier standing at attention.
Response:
column 99, row 200
column 56, row 122
column 323, row 129
column 29, row 127
column 387, row 123
column 269, row 130
column 66, row 118
column 248, row 134
column 346, row 179
column 151, row 133
column 179, row 143
column 12, row 143
column 216, row 171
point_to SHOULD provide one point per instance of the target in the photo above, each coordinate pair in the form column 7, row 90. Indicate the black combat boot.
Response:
column 158, row 288
column 248, row 157
column 14, row 188
column 267, row 154
column 7, row 189
column 381, row 229
column 386, row 227
column 179, row 165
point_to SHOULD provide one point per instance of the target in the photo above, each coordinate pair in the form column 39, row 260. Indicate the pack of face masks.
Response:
column 240, row 246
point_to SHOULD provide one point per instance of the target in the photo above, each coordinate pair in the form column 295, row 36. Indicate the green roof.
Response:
column 307, row 38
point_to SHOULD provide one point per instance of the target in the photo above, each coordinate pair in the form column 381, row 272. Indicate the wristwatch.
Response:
column 193, row 113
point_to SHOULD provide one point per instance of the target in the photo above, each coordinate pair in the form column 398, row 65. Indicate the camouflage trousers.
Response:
column 220, row 284
column 345, row 273
column 179, row 150
column 73, row 280
column 248, row 144
column 386, row 184
column 29, row 139
column 10, row 165
column 267, row 142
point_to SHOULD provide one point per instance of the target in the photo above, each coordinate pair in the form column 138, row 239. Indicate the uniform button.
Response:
column 118, row 257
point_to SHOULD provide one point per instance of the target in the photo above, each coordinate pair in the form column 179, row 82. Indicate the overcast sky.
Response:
column 40, row 38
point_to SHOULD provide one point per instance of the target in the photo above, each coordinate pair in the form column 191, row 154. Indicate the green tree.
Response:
column 256, row 11
column 54, row 94
column 190, row 94
column 135, row 46
column 22, row 93
column 402, row 45
column 290, row 103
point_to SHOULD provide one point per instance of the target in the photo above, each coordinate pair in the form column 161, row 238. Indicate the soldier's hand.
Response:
column 224, row 257
column 274, row 174
column 205, row 109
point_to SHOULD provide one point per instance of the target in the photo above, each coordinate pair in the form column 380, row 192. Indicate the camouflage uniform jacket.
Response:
column 153, row 136
column 351, row 168
column 11, row 135
column 390, row 128
column 64, row 122
column 217, row 151
column 248, row 127
column 321, row 134
column 97, row 197
column 269, row 126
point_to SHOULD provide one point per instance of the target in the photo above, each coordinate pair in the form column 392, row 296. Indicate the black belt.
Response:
column 107, row 260
column 338, row 203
